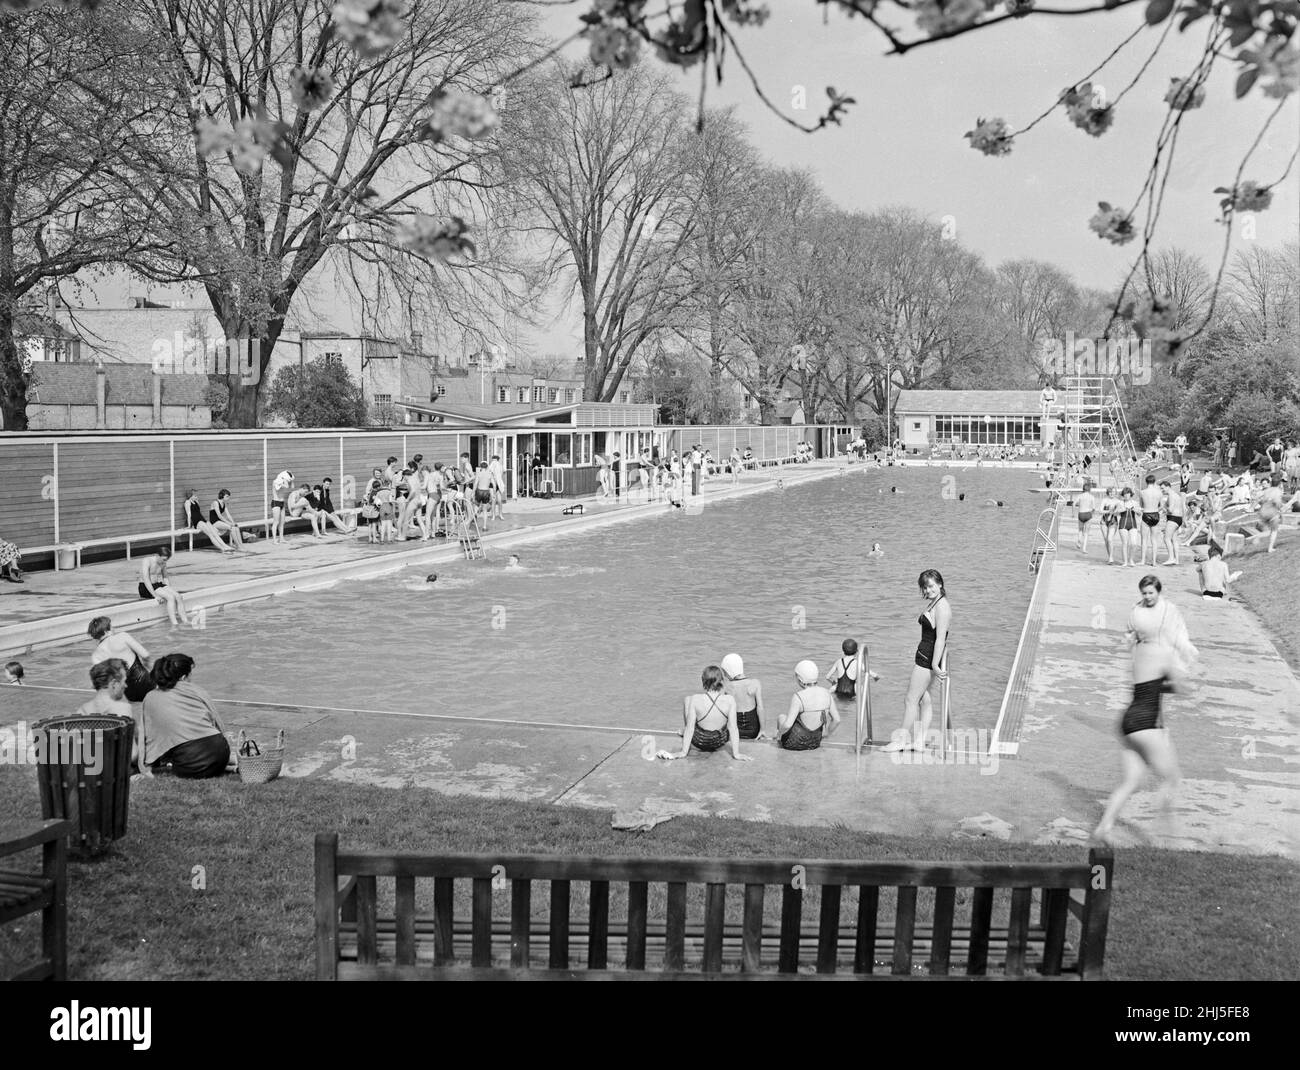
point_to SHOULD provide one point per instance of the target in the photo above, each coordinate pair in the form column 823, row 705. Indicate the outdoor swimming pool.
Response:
column 612, row 627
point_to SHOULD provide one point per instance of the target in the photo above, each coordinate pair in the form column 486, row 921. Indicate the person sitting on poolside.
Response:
column 185, row 731
column 14, row 673
column 802, row 726
column 1216, row 581
column 710, row 719
column 109, row 680
column 221, row 520
column 320, row 500
column 194, row 519
column 748, row 694
column 153, row 585
column 299, row 507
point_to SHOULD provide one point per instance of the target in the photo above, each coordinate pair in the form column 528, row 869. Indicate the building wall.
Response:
column 915, row 428
column 117, row 417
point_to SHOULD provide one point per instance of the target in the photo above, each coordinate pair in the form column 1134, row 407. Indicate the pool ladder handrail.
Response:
column 864, row 701
column 1043, row 543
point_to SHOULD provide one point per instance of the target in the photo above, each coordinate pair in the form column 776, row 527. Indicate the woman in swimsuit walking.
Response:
column 710, row 719
column 1127, row 515
column 1109, row 522
column 935, row 624
column 1160, row 647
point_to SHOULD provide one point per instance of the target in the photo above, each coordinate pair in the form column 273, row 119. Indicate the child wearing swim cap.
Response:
column 803, row 725
column 748, row 695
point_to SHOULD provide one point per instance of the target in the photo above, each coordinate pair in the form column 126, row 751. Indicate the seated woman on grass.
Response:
column 710, row 719
column 184, row 731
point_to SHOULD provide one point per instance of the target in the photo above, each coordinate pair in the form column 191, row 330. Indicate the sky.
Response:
column 902, row 142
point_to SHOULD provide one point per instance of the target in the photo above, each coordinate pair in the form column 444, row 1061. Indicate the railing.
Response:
column 1043, row 543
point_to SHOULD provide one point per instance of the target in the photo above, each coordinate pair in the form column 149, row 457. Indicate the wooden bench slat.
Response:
column 481, row 915
column 675, row 927
column 638, row 893
column 791, row 919
column 558, row 955
column 405, row 921
column 598, row 927
column 941, row 946
column 981, row 915
column 904, row 924
column 1018, row 930
column 752, row 928
column 715, row 907
column 1096, row 913
column 864, row 952
column 829, row 929
column 443, row 892
column 1054, row 908
column 521, row 892
column 366, row 932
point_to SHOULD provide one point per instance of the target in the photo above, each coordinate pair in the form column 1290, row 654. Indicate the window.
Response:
column 551, row 394
column 383, row 399
column 584, row 448
column 442, row 390
column 522, row 395
column 916, row 425
column 331, row 356
column 562, row 449
column 568, row 395
column 502, row 395
column 579, row 393
column 537, row 394
column 624, row 397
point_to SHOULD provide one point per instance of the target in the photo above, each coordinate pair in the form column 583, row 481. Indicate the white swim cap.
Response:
column 733, row 666
column 806, row 671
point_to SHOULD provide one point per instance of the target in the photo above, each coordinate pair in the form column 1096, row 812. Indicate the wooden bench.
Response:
column 23, row 892
column 874, row 919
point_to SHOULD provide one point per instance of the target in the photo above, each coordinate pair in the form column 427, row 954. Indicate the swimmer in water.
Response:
column 512, row 561
column 993, row 502
column 432, row 577
column 876, row 550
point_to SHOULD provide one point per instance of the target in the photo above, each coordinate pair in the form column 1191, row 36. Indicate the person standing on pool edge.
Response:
column 936, row 623
column 1151, row 497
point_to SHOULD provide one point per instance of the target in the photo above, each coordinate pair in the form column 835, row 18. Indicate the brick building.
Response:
column 114, row 397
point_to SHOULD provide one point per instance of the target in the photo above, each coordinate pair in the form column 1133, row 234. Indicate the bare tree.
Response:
column 70, row 102
column 600, row 172
column 290, row 149
column 1264, row 285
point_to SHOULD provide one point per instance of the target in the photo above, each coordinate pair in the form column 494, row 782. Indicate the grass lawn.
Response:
column 1270, row 584
column 135, row 914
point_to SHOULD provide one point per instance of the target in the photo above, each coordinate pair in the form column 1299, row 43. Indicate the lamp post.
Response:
column 889, row 428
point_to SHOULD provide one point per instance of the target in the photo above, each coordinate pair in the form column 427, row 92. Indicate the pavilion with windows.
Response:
column 971, row 418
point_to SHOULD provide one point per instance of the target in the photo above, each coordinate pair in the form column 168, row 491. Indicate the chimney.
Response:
column 157, row 399
column 100, row 395
column 417, row 341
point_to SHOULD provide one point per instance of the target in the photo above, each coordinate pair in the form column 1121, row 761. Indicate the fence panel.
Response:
column 28, row 494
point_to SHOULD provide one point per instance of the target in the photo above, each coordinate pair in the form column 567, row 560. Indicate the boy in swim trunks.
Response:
column 153, row 584
column 279, row 492
column 1175, row 506
column 1215, row 579
column 1150, row 498
column 1086, row 505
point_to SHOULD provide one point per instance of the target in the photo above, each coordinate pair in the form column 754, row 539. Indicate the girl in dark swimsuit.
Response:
column 935, row 623
column 710, row 719
column 1127, row 515
column 1157, row 632
column 804, row 722
column 746, row 692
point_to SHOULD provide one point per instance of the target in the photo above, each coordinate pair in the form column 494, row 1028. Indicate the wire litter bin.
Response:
column 84, row 773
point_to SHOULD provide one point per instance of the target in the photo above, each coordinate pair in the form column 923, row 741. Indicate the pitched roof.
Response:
column 127, row 384
column 972, row 402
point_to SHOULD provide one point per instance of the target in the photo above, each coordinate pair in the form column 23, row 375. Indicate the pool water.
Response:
column 612, row 627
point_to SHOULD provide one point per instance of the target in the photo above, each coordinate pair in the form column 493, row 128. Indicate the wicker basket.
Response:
column 257, row 766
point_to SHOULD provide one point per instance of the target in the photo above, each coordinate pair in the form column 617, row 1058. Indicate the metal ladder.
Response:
column 467, row 530
column 1043, row 543
column 1093, row 412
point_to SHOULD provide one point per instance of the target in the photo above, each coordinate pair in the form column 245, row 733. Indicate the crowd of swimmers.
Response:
column 1184, row 511
column 730, row 707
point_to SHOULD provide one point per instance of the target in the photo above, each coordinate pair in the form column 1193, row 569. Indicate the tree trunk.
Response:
column 13, row 383
column 245, row 396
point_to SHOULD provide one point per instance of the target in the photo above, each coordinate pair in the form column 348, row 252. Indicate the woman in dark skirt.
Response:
column 710, row 718
column 182, row 729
